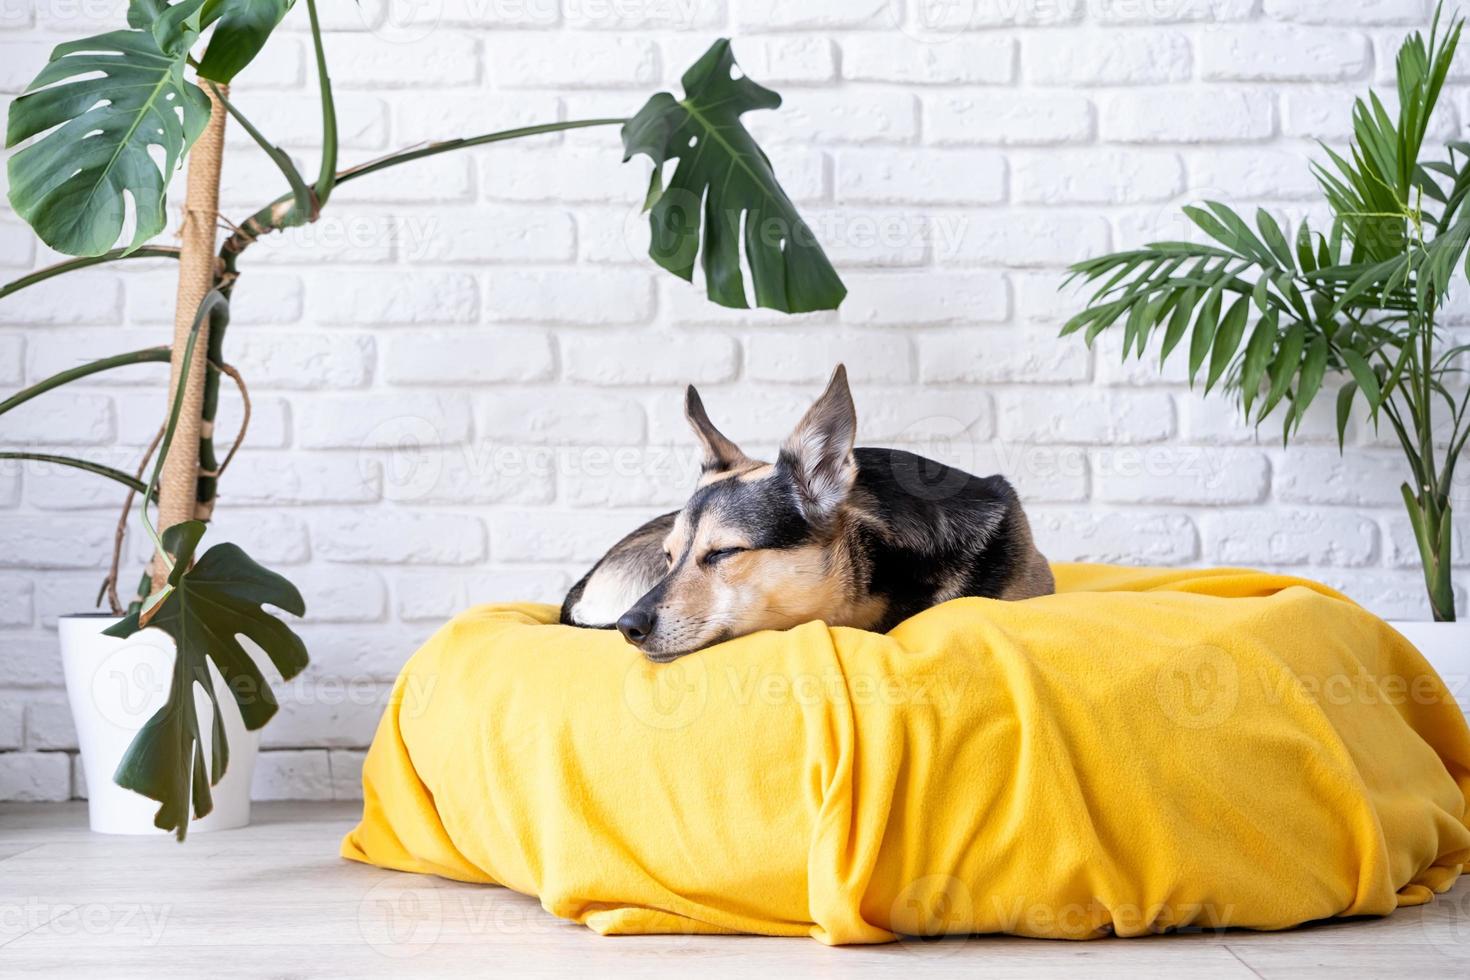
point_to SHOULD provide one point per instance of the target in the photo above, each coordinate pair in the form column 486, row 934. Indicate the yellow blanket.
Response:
column 1147, row 749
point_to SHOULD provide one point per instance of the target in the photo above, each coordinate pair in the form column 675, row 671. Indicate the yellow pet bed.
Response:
column 1146, row 750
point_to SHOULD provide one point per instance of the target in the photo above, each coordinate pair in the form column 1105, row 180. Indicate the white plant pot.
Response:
column 114, row 687
column 1447, row 648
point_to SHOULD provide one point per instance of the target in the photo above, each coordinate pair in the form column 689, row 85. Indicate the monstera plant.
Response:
column 111, row 118
column 1268, row 317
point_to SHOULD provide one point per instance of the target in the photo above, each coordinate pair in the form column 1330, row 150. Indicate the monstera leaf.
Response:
column 241, row 30
column 208, row 607
column 107, row 100
column 724, row 180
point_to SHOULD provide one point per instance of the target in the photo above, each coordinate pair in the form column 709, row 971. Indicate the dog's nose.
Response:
column 635, row 625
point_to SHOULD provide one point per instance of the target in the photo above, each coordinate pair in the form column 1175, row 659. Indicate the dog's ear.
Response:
column 719, row 453
column 819, row 452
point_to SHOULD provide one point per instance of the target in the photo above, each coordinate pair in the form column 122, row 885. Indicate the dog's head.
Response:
column 757, row 545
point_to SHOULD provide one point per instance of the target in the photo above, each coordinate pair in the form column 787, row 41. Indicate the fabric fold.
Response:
column 1146, row 750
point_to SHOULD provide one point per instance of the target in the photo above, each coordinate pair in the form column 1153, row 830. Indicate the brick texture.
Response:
column 467, row 376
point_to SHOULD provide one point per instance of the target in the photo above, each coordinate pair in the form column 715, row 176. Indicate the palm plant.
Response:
column 1268, row 318
column 111, row 117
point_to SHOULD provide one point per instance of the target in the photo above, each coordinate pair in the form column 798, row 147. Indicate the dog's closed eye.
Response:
column 719, row 555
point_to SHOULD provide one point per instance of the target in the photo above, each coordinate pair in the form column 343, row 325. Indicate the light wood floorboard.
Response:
column 275, row 901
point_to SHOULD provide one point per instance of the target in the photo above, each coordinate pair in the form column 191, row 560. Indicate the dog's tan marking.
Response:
column 743, row 471
column 761, row 589
column 758, row 472
column 1034, row 577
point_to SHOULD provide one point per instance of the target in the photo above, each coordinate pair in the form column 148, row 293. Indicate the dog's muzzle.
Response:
column 636, row 624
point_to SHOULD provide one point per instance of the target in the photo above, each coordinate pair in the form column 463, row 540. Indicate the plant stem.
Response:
column 1433, row 524
column 271, row 217
column 444, row 146
column 301, row 194
column 80, row 464
column 147, row 355
column 109, row 584
column 213, row 310
column 327, row 178
column 71, row 265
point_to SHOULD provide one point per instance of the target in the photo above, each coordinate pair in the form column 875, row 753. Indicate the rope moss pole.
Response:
column 178, row 490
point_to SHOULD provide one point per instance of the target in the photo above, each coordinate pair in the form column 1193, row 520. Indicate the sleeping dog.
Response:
column 853, row 537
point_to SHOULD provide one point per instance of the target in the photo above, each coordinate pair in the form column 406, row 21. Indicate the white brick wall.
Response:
column 467, row 375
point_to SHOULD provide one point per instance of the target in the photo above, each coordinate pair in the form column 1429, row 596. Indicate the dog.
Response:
column 852, row 537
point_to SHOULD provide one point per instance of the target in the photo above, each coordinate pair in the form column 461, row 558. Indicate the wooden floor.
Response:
column 274, row 900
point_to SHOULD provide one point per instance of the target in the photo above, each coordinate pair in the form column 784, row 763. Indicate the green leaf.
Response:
column 1288, row 288
column 241, row 28
column 1204, row 332
column 210, row 606
column 1178, row 323
column 1261, row 292
column 1227, row 340
column 1314, row 368
column 1249, row 244
column 1284, row 366
column 1364, row 376
column 1275, row 240
column 1304, row 253
column 1211, row 226
column 106, row 101
column 1379, row 275
column 1141, row 320
column 1257, row 357
column 1087, row 316
column 1344, row 411
column 723, row 195
column 1105, row 317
